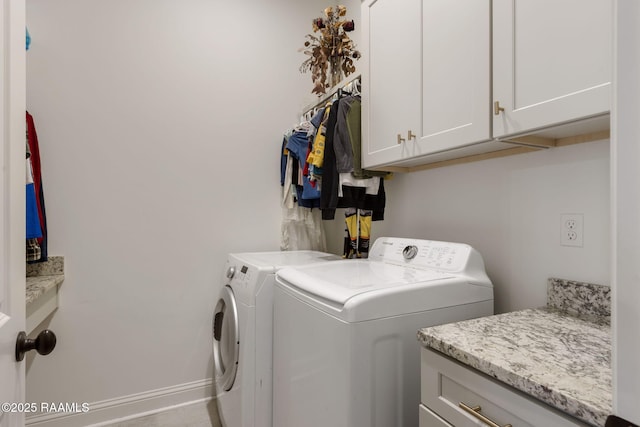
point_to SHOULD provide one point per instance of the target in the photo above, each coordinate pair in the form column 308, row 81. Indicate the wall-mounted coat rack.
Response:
column 352, row 87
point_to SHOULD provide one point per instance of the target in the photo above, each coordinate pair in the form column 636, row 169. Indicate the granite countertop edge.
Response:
column 39, row 285
column 43, row 276
column 457, row 341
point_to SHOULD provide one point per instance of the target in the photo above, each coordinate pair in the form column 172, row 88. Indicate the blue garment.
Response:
column 306, row 203
column 316, row 121
column 33, row 219
column 28, row 37
column 309, row 192
column 283, row 160
column 298, row 146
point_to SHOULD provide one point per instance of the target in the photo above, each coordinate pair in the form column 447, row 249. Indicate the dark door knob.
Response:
column 44, row 344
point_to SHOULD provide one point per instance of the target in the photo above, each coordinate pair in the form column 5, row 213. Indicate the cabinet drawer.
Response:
column 428, row 419
column 446, row 384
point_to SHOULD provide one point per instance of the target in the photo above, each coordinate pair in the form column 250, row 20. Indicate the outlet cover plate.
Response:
column 572, row 230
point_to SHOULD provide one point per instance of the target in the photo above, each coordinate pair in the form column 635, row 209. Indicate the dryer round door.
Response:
column 226, row 342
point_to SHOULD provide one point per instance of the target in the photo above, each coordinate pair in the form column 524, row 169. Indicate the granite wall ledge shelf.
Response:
column 43, row 282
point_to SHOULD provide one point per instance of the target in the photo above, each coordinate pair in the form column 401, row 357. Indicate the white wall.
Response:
column 160, row 123
column 509, row 209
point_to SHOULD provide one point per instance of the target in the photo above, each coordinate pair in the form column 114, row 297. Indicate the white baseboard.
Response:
column 128, row 407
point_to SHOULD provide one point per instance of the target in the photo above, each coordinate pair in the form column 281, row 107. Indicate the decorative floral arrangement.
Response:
column 331, row 54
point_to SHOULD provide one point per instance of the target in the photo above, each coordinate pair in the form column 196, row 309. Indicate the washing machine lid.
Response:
column 400, row 276
column 343, row 280
column 273, row 261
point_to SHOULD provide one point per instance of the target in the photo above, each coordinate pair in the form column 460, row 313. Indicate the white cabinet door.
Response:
column 391, row 77
column 426, row 78
column 625, row 175
column 12, row 214
column 456, row 74
column 551, row 62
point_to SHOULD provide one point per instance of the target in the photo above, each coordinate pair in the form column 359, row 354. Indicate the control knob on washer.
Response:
column 410, row 252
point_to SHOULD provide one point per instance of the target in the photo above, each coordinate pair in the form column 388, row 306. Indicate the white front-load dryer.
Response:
column 242, row 334
column 345, row 348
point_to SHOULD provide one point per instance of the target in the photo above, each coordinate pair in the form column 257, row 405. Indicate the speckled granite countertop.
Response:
column 560, row 354
column 43, row 276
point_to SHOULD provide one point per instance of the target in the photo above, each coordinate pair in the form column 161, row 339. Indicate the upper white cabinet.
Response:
column 391, row 77
column 455, row 63
column 426, row 81
column 551, row 62
column 440, row 82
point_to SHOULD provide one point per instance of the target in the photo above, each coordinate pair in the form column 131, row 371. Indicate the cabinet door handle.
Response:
column 400, row 139
column 497, row 108
column 411, row 135
column 475, row 411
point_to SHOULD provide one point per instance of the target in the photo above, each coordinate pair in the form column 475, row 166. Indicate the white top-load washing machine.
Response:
column 242, row 334
column 345, row 349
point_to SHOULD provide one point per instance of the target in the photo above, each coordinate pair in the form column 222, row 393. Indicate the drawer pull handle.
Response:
column 497, row 108
column 475, row 411
column 400, row 139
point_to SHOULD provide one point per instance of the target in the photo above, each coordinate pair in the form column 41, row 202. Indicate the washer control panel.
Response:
column 419, row 253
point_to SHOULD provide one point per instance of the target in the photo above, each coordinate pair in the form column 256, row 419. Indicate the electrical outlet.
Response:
column 571, row 230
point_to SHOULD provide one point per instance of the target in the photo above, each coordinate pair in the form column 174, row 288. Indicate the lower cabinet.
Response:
column 455, row 395
column 431, row 419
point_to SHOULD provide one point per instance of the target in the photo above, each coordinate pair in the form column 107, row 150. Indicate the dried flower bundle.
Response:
column 332, row 52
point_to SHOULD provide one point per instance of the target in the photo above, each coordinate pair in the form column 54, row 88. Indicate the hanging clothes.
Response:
column 308, row 194
column 348, row 139
column 358, row 233
column 302, row 227
column 34, row 149
column 315, row 159
column 342, row 139
column 320, row 167
column 342, row 188
column 330, row 178
column 33, row 220
column 33, row 230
